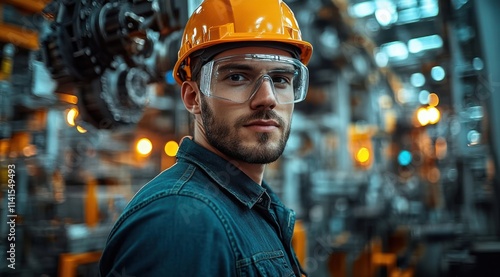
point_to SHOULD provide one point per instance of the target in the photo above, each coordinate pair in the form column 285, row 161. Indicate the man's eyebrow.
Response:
column 232, row 66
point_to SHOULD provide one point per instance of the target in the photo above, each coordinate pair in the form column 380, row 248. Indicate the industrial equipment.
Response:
column 70, row 69
column 108, row 52
column 392, row 165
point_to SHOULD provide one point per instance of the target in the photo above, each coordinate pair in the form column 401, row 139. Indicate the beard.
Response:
column 221, row 135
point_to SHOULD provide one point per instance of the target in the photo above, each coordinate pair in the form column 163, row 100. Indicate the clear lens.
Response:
column 238, row 78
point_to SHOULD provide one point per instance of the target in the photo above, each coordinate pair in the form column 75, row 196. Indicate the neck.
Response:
column 254, row 171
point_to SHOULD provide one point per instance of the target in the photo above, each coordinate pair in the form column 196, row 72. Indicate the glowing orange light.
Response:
column 433, row 114
column 144, row 146
column 171, row 148
column 68, row 98
column 81, row 130
column 71, row 115
column 423, row 116
column 30, row 150
column 363, row 155
column 433, row 99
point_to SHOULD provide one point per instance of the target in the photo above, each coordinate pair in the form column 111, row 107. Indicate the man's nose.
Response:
column 264, row 97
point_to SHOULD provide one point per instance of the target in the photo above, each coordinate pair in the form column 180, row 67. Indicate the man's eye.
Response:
column 280, row 80
column 283, row 80
column 236, row 77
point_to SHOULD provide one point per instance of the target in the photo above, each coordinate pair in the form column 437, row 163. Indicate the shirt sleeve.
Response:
column 170, row 236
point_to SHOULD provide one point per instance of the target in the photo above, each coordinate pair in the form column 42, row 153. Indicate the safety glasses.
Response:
column 238, row 78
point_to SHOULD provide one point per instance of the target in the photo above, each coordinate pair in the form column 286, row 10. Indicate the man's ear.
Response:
column 190, row 96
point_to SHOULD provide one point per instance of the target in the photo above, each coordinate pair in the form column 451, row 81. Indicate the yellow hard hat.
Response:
column 217, row 22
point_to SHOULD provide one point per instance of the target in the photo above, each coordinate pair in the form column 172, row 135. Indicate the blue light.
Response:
column 404, row 158
column 362, row 9
column 438, row 73
column 169, row 78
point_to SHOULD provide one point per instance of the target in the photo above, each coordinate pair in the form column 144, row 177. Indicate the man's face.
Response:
column 253, row 132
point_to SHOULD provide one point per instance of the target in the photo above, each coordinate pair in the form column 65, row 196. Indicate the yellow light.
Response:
column 71, row 114
column 363, row 155
column 423, row 116
column 144, row 146
column 433, row 114
column 433, row 99
column 81, row 130
column 171, row 148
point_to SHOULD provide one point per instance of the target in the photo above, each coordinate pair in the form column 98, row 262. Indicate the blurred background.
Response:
column 392, row 165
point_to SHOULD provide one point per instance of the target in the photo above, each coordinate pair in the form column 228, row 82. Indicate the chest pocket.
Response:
column 265, row 264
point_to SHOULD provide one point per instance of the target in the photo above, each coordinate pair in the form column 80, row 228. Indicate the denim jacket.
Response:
column 202, row 217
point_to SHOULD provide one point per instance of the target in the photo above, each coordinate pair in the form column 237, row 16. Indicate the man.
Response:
column 241, row 69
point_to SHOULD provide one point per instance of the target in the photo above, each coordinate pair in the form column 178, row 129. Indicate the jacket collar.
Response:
column 225, row 174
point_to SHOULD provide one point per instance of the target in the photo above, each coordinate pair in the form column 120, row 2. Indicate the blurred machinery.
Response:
column 107, row 52
column 75, row 80
column 392, row 164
